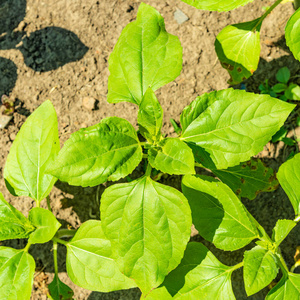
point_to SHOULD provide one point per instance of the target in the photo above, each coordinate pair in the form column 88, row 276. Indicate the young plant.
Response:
column 238, row 45
column 142, row 238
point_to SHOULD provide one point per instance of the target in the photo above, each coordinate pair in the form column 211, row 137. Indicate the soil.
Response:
column 59, row 50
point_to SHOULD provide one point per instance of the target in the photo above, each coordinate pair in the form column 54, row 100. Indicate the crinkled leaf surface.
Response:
column 144, row 56
column 109, row 150
column 238, row 49
column 199, row 276
column 289, row 178
column 13, row 224
column 232, row 125
column 149, row 225
column 60, row 291
column 150, row 117
column 34, row 149
column 249, row 179
column 219, row 5
column 217, row 213
column 45, row 223
column 90, row 263
column 172, row 156
column 292, row 33
column 281, row 230
column 260, row 268
column 16, row 274
column 288, row 288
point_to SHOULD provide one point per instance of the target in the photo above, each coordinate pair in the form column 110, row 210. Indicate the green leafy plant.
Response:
column 142, row 238
column 238, row 45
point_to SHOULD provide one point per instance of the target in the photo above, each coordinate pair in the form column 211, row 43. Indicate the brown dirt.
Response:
column 59, row 50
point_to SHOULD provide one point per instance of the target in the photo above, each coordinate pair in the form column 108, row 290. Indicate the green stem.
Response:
column 266, row 14
column 145, row 155
column 233, row 268
column 281, row 262
column 297, row 219
column 199, row 165
column 27, row 247
column 57, row 240
column 55, row 258
column 37, row 203
column 158, row 176
column 48, row 203
column 65, row 233
column 148, row 170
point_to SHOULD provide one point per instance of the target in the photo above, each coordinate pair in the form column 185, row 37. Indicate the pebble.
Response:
column 89, row 103
column 12, row 136
column 180, row 17
column 4, row 120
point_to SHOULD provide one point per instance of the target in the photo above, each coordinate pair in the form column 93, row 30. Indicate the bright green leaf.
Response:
column 149, row 225
column 90, row 263
column 288, row 288
column 260, row 268
column 45, row 223
column 60, row 291
column 249, row 179
column 293, row 92
column 217, row 213
column 34, row 149
column 172, row 156
column 150, row 117
column 283, row 75
column 238, row 49
column 281, row 230
column 199, row 276
column 13, row 225
column 144, row 56
column 219, row 5
column 233, row 125
column 16, row 274
column 279, row 87
column 292, row 33
column 109, row 150
column 289, row 178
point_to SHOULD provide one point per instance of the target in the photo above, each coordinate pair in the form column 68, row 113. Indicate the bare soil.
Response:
column 59, row 49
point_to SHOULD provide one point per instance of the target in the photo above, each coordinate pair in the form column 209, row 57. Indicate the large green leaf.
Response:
column 238, row 49
column 144, row 56
column 289, row 178
column 233, row 125
column 219, row 5
column 260, row 268
column 217, row 213
column 249, row 179
column 13, row 224
column 90, row 263
column 288, row 288
column 281, row 230
column 45, row 223
column 150, row 117
column 109, row 150
column 172, row 156
column 60, row 291
column 34, row 149
column 292, row 33
column 149, row 225
column 16, row 274
column 199, row 276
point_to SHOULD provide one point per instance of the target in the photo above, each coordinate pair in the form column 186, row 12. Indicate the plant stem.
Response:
column 281, row 262
column 297, row 219
column 57, row 240
column 296, row 4
column 199, row 165
column 145, row 155
column 37, row 203
column 27, row 247
column 65, row 233
column 55, row 258
column 233, row 268
column 266, row 14
column 158, row 176
column 148, row 170
column 48, row 203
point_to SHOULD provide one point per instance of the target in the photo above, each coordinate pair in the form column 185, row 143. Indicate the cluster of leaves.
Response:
column 142, row 238
column 238, row 45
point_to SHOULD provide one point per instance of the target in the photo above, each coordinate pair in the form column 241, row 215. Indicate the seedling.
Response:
column 142, row 238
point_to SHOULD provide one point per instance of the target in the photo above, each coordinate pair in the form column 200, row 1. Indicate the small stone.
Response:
column 4, row 120
column 21, row 26
column 180, row 17
column 12, row 136
column 89, row 103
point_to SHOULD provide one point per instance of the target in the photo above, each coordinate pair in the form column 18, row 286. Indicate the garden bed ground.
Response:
column 59, row 50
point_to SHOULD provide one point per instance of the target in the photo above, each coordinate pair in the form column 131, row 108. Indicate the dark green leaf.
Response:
column 292, row 33
column 260, row 268
column 279, row 87
column 288, row 141
column 149, row 225
column 279, row 135
column 150, row 117
column 249, row 179
column 217, row 213
column 13, row 225
column 238, row 49
column 281, row 230
column 34, row 149
column 144, row 56
column 60, row 291
column 172, row 156
column 283, row 75
column 16, row 274
column 45, row 223
column 109, row 150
